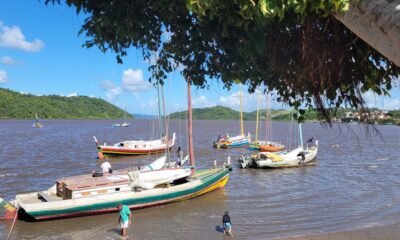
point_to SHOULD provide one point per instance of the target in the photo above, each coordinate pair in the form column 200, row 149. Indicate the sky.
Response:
column 42, row 54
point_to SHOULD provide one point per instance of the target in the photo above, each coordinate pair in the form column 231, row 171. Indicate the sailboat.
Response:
column 139, row 147
column 300, row 156
column 135, row 147
column 267, row 145
column 88, row 195
column 124, row 124
column 36, row 123
column 236, row 141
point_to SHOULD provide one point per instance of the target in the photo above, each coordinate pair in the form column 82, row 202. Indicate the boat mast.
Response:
column 160, row 125
column 165, row 124
column 190, row 133
column 241, row 111
column 257, row 118
column 125, row 115
column 266, row 116
column 301, row 136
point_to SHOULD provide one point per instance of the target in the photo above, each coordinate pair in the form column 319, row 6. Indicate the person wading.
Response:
column 226, row 222
column 125, row 218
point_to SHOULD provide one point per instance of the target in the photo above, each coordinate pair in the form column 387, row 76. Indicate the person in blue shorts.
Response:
column 125, row 218
column 227, row 225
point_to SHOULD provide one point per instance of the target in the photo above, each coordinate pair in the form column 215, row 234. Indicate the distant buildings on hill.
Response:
column 372, row 117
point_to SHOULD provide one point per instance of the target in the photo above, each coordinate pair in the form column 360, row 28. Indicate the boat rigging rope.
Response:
column 12, row 226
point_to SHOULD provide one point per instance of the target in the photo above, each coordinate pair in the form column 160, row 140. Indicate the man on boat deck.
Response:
column 106, row 167
column 125, row 218
column 180, row 156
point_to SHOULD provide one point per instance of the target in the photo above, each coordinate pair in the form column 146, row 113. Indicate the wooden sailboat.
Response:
column 36, row 123
column 138, row 147
column 300, row 156
column 236, row 141
column 88, row 195
column 269, row 145
column 255, row 145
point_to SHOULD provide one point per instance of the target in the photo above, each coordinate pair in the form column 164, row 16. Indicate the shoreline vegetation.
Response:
column 15, row 105
column 21, row 106
column 375, row 116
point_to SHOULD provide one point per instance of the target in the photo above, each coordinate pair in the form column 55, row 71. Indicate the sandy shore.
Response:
column 389, row 232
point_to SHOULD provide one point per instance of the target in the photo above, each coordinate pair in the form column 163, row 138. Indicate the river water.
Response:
column 354, row 185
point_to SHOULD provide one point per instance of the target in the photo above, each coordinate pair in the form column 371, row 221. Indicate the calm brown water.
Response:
column 355, row 184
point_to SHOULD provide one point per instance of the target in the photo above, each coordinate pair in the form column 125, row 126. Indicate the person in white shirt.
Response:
column 106, row 167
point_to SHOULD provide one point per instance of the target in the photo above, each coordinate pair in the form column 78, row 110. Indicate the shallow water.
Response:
column 354, row 185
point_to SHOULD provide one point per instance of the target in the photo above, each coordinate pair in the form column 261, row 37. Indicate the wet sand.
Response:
column 387, row 232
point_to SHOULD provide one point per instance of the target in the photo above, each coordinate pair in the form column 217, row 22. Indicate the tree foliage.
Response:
column 24, row 106
column 294, row 48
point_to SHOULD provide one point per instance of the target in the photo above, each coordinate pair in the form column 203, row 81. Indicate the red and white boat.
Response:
column 136, row 147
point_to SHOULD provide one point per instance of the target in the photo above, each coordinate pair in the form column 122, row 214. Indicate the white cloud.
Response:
column 74, row 94
column 373, row 100
column 112, row 91
column 249, row 101
column 12, row 37
column 132, row 81
column 232, row 100
column 153, row 59
column 3, row 76
column 6, row 60
column 392, row 104
column 202, row 102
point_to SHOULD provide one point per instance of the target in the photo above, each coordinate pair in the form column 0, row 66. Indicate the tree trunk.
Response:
column 377, row 22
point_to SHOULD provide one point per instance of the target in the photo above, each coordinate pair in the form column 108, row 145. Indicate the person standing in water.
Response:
column 226, row 223
column 125, row 218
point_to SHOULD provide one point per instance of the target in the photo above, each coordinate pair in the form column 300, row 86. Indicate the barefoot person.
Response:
column 226, row 222
column 125, row 218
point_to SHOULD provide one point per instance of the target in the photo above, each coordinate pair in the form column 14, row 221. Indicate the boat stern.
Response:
column 11, row 210
column 100, row 154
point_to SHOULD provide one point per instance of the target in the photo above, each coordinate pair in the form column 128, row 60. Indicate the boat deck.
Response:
column 118, row 177
column 87, row 181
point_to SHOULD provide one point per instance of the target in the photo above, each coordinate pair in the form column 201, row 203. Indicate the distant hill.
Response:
column 217, row 112
column 24, row 106
column 223, row 113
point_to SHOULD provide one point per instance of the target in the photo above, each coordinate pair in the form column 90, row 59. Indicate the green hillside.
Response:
column 222, row 113
column 217, row 112
column 24, row 106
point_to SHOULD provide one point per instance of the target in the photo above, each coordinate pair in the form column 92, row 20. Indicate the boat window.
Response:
column 117, row 189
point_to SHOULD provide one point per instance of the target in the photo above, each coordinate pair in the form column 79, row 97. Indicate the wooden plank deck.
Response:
column 87, row 181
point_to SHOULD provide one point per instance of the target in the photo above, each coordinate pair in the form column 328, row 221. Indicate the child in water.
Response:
column 226, row 222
